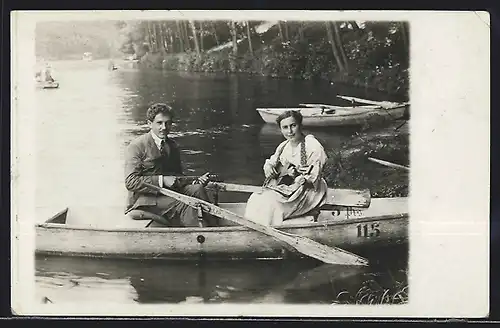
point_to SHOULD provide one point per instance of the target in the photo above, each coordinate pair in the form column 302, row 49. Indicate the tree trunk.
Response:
column 334, row 48
column 195, row 38
column 181, row 37
column 235, row 46
column 214, row 30
column 159, row 37
column 201, row 36
column 249, row 36
column 301, row 32
column 150, row 37
column 339, row 44
column 186, row 35
column 287, row 36
column 281, row 32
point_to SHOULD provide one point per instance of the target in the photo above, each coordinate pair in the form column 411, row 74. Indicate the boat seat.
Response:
column 299, row 220
column 139, row 219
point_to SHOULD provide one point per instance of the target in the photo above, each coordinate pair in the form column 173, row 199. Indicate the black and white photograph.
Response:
column 223, row 160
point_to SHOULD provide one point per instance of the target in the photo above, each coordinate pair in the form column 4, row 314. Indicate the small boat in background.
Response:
column 87, row 56
column 47, row 84
column 44, row 79
column 318, row 115
column 357, row 113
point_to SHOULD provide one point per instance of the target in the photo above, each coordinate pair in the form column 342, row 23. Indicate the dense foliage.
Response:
column 371, row 54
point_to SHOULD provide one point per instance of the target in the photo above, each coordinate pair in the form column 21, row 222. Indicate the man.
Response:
column 155, row 159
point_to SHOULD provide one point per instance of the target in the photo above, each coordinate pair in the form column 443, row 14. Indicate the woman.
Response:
column 294, row 185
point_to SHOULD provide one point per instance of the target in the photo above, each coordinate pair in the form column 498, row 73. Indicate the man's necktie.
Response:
column 163, row 148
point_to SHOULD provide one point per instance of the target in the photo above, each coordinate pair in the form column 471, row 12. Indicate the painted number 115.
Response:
column 368, row 230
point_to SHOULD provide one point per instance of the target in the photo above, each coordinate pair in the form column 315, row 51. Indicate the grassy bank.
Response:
column 349, row 167
column 372, row 292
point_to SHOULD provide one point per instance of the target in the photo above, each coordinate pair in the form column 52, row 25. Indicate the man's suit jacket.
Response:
column 145, row 163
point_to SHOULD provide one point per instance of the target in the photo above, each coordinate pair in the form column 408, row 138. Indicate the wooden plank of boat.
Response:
column 336, row 106
column 384, row 223
column 304, row 245
column 341, row 197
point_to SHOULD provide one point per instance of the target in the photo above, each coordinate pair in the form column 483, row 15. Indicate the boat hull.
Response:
column 352, row 116
column 341, row 227
column 47, row 85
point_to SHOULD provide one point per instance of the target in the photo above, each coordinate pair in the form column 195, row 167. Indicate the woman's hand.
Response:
column 300, row 180
column 270, row 171
column 304, row 169
column 292, row 171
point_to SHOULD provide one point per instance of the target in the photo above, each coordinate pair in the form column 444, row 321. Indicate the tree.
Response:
column 235, row 45
column 195, row 38
column 338, row 42
column 335, row 52
column 181, row 38
column 249, row 36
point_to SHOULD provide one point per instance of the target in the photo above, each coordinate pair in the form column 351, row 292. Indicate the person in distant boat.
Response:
column 47, row 76
column 155, row 159
column 294, row 185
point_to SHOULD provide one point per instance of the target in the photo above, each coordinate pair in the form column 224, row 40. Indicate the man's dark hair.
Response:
column 157, row 109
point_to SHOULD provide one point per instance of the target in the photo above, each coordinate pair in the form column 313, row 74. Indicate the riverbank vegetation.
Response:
column 348, row 166
column 372, row 292
column 372, row 54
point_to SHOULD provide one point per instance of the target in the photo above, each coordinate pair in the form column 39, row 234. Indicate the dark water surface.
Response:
column 82, row 130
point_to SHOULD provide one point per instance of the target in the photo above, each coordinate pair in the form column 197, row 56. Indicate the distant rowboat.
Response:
column 47, row 84
column 318, row 115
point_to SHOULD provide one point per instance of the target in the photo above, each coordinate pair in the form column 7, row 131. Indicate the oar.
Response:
column 337, row 197
column 319, row 105
column 372, row 102
column 306, row 246
column 389, row 164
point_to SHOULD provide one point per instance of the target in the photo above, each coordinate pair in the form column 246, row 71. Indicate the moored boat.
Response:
column 47, row 84
column 384, row 222
column 329, row 115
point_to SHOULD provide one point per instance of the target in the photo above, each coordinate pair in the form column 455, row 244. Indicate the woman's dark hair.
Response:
column 290, row 113
column 157, row 109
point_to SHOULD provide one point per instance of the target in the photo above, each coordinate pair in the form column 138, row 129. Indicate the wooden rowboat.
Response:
column 328, row 115
column 47, row 85
column 384, row 222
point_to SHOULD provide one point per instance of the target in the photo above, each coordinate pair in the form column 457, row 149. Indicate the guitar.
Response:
column 284, row 183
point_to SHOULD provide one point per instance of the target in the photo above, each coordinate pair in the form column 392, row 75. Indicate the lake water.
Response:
column 82, row 130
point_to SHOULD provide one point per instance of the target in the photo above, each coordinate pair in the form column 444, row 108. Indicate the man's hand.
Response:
column 169, row 181
column 204, row 179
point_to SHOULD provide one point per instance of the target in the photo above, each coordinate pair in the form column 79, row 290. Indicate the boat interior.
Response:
column 94, row 217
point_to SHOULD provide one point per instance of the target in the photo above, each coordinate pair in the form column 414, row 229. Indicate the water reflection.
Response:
column 202, row 281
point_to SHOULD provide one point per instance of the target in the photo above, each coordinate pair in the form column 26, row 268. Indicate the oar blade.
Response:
column 324, row 253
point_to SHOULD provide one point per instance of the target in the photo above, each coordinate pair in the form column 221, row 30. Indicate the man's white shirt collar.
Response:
column 157, row 140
